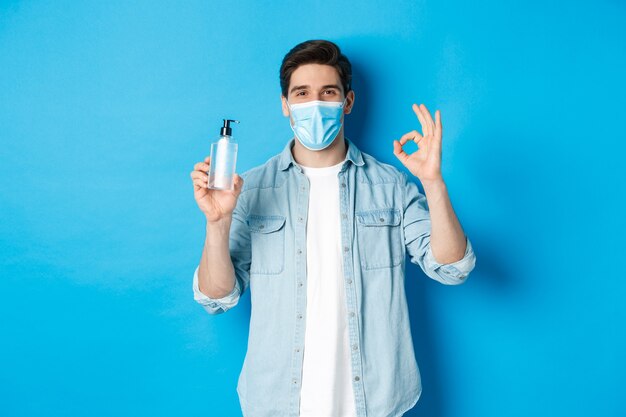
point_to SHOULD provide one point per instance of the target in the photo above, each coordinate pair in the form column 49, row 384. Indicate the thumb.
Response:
column 399, row 152
column 238, row 183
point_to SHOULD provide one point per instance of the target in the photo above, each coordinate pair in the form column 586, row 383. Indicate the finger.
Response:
column 199, row 175
column 207, row 159
column 413, row 135
column 201, row 166
column 438, row 124
column 438, row 129
column 429, row 119
column 200, row 183
column 410, row 136
column 420, row 117
column 399, row 152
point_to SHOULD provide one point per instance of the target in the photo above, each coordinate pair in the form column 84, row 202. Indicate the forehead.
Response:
column 315, row 75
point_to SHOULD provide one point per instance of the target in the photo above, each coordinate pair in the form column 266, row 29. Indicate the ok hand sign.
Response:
column 425, row 163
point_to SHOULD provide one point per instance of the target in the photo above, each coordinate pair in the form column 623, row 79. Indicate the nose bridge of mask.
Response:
column 307, row 109
column 321, row 110
column 316, row 103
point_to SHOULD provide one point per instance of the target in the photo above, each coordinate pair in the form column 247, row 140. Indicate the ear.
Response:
column 349, row 102
column 284, row 106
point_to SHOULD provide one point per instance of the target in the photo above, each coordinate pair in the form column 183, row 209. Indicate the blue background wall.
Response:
column 106, row 106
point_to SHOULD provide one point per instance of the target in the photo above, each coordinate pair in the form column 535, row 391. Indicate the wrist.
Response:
column 219, row 224
column 433, row 183
column 217, row 233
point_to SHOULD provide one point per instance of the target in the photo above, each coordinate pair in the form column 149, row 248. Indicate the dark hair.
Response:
column 315, row 52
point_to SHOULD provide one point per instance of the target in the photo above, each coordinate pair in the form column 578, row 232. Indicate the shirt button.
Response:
column 299, row 284
column 299, row 316
column 344, row 215
column 295, row 381
column 299, row 219
column 297, row 350
column 351, row 314
column 299, row 251
column 354, row 347
column 381, row 220
column 343, row 185
column 356, row 378
column 261, row 226
column 349, row 281
column 346, row 249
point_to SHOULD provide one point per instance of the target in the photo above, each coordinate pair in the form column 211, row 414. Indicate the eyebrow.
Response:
column 304, row 87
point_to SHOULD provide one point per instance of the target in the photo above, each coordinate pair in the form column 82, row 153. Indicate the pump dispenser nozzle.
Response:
column 226, row 129
column 223, row 159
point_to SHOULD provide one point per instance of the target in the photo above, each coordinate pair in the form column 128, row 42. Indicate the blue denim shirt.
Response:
column 383, row 218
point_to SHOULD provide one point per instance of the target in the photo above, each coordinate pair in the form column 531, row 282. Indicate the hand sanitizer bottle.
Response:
column 223, row 159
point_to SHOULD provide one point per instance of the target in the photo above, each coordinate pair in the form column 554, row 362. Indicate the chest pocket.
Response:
column 379, row 238
column 267, row 241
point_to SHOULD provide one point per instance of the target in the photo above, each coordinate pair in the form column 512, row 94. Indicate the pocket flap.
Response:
column 380, row 217
column 265, row 224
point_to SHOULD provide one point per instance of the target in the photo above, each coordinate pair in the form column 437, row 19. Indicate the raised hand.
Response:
column 215, row 204
column 425, row 163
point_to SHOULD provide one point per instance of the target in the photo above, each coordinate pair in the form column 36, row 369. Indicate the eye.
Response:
column 332, row 92
column 300, row 93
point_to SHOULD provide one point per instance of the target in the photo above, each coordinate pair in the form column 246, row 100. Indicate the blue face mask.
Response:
column 316, row 123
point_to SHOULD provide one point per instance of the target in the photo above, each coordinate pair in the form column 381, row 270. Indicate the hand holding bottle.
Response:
column 215, row 204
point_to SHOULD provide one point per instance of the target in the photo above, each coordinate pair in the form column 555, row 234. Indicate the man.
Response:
column 319, row 233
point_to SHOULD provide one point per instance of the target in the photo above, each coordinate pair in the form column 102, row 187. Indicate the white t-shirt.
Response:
column 326, row 374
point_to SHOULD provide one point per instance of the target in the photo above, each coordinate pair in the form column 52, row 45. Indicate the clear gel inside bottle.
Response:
column 223, row 159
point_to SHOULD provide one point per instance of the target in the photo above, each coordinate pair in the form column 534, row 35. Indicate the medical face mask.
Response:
column 316, row 123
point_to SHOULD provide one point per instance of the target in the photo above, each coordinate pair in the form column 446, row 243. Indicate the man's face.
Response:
column 315, row 82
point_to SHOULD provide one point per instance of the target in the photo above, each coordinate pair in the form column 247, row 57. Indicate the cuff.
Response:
column 455, row 271
column 215, row 305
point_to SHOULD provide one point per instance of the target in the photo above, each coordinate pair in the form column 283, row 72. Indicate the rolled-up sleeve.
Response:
column 240, row 254
column 455, row 272
column 417, row 229
column 215, row 305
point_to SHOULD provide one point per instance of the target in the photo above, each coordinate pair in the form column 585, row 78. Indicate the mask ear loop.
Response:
column 290, row 112
column 343, row 105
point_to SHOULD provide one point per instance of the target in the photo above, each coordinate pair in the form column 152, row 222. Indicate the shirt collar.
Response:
column 286, row 157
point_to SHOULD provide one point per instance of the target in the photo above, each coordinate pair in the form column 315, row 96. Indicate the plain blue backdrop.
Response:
column 106, row 106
